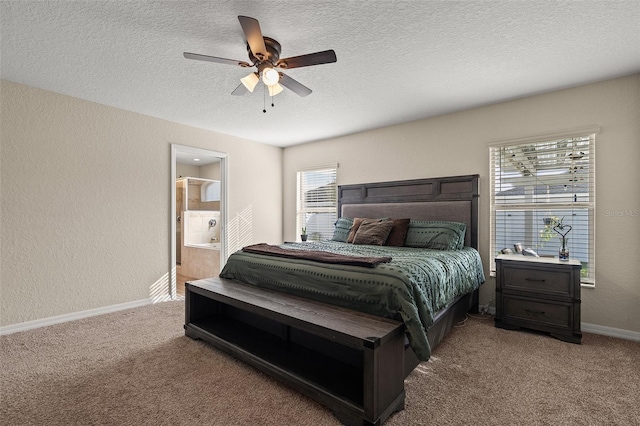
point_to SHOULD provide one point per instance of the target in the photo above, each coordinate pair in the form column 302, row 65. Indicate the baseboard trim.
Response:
column 610, row 331
column 44, row 322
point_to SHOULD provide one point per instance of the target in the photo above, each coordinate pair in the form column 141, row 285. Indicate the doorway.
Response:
column 193, row 259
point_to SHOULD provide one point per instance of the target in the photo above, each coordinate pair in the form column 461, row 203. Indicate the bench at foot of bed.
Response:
column 351, row 362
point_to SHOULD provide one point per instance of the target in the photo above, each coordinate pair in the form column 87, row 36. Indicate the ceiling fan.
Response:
column 264, row 54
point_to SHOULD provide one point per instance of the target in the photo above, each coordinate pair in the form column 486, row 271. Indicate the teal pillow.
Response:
column 438, row 235
column 341, row 231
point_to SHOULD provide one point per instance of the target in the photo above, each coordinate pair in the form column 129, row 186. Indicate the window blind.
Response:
column 534, row 186
column 317, row 204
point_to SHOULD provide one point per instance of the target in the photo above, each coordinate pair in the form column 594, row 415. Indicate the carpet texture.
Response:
column 136, row 367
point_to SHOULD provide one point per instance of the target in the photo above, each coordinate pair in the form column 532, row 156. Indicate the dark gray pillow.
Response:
column 341, row 231
column 398, row 232
column 373, row 232
column 439, row 235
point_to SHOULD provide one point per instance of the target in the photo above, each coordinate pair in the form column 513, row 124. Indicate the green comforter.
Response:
column 412, row 287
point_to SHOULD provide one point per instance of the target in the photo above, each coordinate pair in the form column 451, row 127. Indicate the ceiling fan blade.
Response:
column 252, row 32
column 240, row 90
column 198, row 57
column 324, row 57
column 291, row 84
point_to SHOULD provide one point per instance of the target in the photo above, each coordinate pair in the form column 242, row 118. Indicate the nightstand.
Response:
column 540, row 294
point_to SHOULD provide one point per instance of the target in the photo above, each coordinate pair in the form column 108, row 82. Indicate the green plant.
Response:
column 547, row 232
column 552, row 228
column 304, row 231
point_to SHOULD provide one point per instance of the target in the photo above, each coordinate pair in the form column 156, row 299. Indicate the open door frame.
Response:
column 224, row 167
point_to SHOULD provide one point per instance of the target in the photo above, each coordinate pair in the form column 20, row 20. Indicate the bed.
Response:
column 299, row 296
column 451, row 199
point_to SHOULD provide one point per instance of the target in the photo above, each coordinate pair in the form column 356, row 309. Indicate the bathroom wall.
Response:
column 200, row 262
column 187, row 170
column 179, row 219
column 210, row 171
column 197, row 228
column 195, row 201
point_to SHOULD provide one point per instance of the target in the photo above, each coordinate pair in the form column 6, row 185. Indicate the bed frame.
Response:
column 452, row 198
column 351, row 362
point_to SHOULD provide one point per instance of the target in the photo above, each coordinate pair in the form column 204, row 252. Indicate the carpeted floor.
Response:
column 136, row 367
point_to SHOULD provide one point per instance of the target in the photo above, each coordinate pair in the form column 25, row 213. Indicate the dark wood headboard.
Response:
column 451, row 198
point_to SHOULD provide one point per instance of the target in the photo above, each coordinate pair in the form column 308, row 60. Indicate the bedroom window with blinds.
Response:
column 536, row 184
column 317, row 206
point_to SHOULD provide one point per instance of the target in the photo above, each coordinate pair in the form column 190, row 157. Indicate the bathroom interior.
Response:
column 197, row 229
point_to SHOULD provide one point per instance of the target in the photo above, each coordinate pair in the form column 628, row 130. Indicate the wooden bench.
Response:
column 348, row 361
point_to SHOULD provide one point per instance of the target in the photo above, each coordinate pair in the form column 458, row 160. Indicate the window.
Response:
column 536, row 184
column 317, row 206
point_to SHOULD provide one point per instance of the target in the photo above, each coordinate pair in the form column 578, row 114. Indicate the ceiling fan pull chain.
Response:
column 264, row 99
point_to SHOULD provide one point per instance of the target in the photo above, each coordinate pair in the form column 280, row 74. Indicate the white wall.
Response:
column 86, row 201
column 457, row 144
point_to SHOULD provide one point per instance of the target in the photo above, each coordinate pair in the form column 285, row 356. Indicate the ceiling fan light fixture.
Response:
column 264, row 54
column 270, row 76
column 275, row 89
column 250, row 81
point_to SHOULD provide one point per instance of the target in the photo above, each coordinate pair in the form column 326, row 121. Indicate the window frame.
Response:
column 324, row 230
column 588, row 205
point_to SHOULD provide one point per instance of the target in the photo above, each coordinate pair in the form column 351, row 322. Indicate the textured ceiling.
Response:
column 397, row 60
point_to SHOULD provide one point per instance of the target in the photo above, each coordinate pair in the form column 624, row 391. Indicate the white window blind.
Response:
column 536, row 184
column 317, row 206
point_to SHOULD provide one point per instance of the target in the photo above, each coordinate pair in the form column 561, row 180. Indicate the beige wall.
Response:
column 187, row 170
column 86, row 201
column 457, row 144
column 85, row 190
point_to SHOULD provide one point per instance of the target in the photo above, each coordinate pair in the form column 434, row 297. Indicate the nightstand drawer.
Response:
column 538, row 293
column 540, row 280
column 535, row 313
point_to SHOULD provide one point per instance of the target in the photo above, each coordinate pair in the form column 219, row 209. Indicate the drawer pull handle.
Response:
column 535, row 280
column 533, row 311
